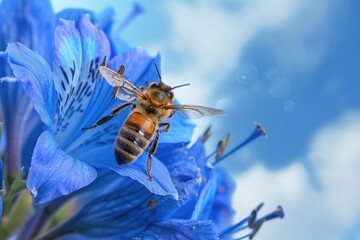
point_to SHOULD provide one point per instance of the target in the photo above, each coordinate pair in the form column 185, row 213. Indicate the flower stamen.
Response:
column 259, row 131
column 252, row 224
column 137, row 9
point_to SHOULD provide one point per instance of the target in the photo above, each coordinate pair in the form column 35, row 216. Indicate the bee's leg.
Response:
column 115, row 92
column 166, row 125
column 121, row 70
column 113, row 113
column 152, row 151
column 172, row 114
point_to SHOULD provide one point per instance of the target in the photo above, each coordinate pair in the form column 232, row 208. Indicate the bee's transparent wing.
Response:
column 195, row 111
column 127, row 90
column 124, row 95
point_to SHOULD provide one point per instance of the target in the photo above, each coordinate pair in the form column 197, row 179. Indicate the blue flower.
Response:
column 189, row 197
column 116, row 207
column 31, row 23
column 69, row 97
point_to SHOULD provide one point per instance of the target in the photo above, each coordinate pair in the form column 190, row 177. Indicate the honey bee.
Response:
column 150, row 107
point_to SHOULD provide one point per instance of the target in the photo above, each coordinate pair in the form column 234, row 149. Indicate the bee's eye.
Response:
column 160, row 96
column 170, row 94
column 153, row 85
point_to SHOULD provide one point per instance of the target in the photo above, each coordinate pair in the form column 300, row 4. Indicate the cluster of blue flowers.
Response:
column 49, row 91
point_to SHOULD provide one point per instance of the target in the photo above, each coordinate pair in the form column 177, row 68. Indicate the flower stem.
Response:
column 17, row 215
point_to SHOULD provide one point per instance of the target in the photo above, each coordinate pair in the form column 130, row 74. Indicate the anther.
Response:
column 254, row 214
column 278, row 213
column 222, row 146
column 252, row 224
column 205, row 136
column 260, row 128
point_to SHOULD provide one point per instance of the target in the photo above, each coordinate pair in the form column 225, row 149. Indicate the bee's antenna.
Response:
column 158, row 72
column 182, row 85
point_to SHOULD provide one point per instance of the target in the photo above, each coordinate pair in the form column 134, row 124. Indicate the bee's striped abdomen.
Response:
column 134, row 137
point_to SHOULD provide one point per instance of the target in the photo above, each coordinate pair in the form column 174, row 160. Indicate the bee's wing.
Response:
column 195, row 111
column 128, row 91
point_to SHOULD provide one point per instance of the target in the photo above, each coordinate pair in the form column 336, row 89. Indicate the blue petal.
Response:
column 206, row 199
column 21, row 123
column 180, row 229
column 222, row 212
column 29, row 22
column 1, row 174
column 104, row 156
column 186, row 173
column 35, row 74
column 137, row 65
column 79, row 51
column 161, row 183
column 2, row 139
column 117, row 207
column 74, row 14
column 53, row 173
column 104, row 20
column 166, row 150
column 181, row 130
column 99, row 157
column 183, row 168
column 33, row 128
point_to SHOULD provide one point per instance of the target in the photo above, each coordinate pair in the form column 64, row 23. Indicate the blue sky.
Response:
column 290, row 65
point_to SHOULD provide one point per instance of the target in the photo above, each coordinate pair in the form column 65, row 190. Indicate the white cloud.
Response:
column 310, row 213
column 213, row 38
column 339, row 171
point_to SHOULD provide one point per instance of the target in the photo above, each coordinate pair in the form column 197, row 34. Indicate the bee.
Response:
column 150, row 108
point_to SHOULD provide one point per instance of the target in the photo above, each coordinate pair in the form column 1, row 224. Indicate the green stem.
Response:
column 17, row 185
column 19, row 212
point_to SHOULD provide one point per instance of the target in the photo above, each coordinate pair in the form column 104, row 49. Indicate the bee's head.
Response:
column 159, row 93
